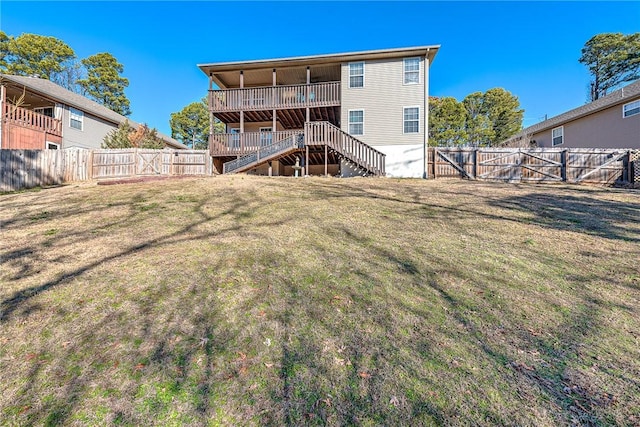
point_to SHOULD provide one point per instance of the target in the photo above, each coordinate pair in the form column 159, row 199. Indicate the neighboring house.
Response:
column 52, row 117
column 612, row 121
column 359, row 113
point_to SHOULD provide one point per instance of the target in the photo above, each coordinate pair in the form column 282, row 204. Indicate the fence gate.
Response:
column 148, row 162
column 499, row 164
column 597, row 165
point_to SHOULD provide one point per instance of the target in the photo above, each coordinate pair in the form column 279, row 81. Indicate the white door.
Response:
column 266, row 136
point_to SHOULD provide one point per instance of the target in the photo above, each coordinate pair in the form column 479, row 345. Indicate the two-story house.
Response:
column 358, row 113
column 36, row 113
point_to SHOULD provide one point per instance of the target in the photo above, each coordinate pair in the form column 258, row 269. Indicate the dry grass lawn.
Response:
column 255, row 301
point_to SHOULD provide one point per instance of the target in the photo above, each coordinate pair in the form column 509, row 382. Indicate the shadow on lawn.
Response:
column 62, row 368
column 553, row 378
column 361, row 347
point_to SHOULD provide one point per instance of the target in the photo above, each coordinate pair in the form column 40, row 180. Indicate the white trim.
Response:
column 403, row 120
column 75, row 111
column 637, row 101
column 404, row 71
column 349, row 121
column 48, row 143
column 560, row 136
column 349, row 75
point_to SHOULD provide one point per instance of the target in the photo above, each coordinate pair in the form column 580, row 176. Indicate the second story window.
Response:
column 76, row 117
column 356, row 122
column 631, row 109
column 356, row 74
column 557, row 136
column 411, row 71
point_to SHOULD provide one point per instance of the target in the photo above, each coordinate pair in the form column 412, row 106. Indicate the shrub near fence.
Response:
column 21, row 169
column 573, row 165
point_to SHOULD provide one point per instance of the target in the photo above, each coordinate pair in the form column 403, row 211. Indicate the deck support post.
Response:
column 274, row 114
column 307, row 92
column 210, row 102
column 242, row 113
column 270, row 169
column 306, row 162
column 326, row 152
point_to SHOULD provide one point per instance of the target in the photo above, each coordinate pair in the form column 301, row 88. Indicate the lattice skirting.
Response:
column 634, row 158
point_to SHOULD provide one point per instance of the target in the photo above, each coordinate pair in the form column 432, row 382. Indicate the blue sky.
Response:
column 529, row 48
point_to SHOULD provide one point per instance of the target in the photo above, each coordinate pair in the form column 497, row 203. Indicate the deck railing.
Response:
column 324, row 133
column 30, row 119
column 238, row 144
column 293, row 142
column 279, row 97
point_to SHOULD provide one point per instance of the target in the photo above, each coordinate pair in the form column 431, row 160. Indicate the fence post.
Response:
column 475, row 163
column 435, row 158
column 563, row 160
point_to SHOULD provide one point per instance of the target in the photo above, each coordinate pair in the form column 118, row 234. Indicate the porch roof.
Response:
column 220, row 71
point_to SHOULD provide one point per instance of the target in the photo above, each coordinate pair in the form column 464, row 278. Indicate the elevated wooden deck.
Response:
column 26, row 129
column 316, row 136
column 289, row 97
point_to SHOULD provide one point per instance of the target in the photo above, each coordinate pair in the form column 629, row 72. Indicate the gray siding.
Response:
column 604, row 129
column 383, row 99
column 92, row 134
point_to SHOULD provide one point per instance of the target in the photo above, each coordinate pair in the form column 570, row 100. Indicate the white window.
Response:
column 631, row 109
column 411, row 120
column 76, row 118
column 411, row 71
column 356, row 122
column 356, row 74
column 557, row 136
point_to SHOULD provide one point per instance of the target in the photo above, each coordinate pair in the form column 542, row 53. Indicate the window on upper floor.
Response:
column 557, row 136
column 356, row 122
column 356, row 74
column 631, row 109
column 411, row 120
column 76, row 117
column 411, row 71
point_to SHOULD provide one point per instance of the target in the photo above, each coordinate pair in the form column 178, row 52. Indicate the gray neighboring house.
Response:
column 52, row 117
column 612, row 121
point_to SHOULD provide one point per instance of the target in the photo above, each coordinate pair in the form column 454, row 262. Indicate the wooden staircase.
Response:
column 279, row 148
column 363, row 156
column 359, row 154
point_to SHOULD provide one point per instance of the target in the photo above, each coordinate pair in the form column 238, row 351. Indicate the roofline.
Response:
column 72, row 104
column 169, row 141
column 430, row 50
column 612, row 99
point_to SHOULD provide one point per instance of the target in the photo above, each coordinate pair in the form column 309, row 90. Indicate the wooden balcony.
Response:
column 275, row 97
column 238, row 144
column 29, row 119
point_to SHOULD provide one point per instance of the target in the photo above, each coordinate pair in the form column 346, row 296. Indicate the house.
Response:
column 52, row 117
column 358, row 113
column 612, row 121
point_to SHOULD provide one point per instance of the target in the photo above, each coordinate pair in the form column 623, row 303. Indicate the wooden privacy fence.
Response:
column 574, row 165
column 20, row 169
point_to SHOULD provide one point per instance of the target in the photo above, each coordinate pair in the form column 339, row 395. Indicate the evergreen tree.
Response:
column 612, row 59
column 104, row 83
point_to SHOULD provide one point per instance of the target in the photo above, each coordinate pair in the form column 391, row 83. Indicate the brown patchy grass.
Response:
column 255, row 301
